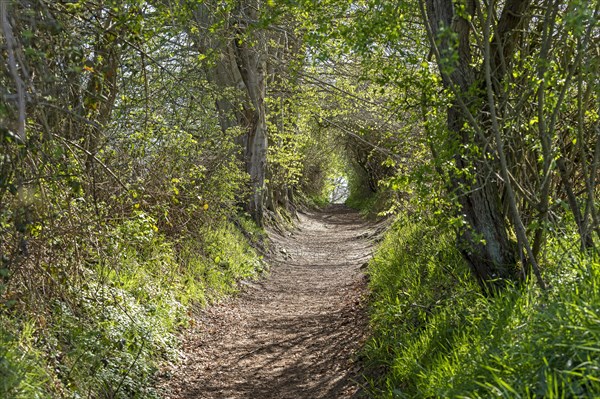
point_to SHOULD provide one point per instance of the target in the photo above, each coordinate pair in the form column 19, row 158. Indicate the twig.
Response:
column 12, row 63
column 94, row 157
column 512, row 202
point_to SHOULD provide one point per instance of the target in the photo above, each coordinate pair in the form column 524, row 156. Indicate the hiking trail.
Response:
column 295, row 333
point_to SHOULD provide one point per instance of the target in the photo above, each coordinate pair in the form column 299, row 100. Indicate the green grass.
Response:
column 370, row 205
column 105, row 335
column 434, row 335
column 22, row 371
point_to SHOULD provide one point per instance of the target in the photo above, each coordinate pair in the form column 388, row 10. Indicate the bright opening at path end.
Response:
column 340, row 191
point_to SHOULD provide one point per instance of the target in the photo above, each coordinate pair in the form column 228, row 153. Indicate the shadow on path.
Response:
column 293, row 335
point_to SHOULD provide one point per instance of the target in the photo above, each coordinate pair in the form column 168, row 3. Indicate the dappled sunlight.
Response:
column 295, row 334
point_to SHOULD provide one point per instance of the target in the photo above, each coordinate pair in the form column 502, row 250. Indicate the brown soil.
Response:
column 294, row 334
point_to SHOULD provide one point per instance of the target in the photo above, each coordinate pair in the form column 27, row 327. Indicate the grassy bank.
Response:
column 435, row 335
column 104, row 331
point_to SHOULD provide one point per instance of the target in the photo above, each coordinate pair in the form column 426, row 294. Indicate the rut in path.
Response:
column 294, row 334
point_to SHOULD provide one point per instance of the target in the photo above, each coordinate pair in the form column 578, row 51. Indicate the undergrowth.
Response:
column 370, row 205
column 105, row 336
column 435, row 335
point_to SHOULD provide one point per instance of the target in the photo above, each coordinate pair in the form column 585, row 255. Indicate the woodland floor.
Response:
column 295, row 333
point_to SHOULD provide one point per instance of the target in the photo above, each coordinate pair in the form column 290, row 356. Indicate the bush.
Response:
column 105, row 334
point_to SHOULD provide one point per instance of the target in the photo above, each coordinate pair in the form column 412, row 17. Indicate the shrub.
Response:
column 106, row 332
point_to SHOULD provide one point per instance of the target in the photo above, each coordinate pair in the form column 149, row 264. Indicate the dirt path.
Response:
column 292, row 335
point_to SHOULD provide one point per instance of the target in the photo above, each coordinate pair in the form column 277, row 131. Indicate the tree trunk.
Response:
column 250, row 51
column 242, row 65
column 484, row 242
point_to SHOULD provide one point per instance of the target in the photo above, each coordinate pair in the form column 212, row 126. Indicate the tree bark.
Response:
column 242, row 65
column 484, row 242
column 250, row 51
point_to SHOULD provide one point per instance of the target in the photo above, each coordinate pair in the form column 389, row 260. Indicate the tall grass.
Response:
column 435, row 335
